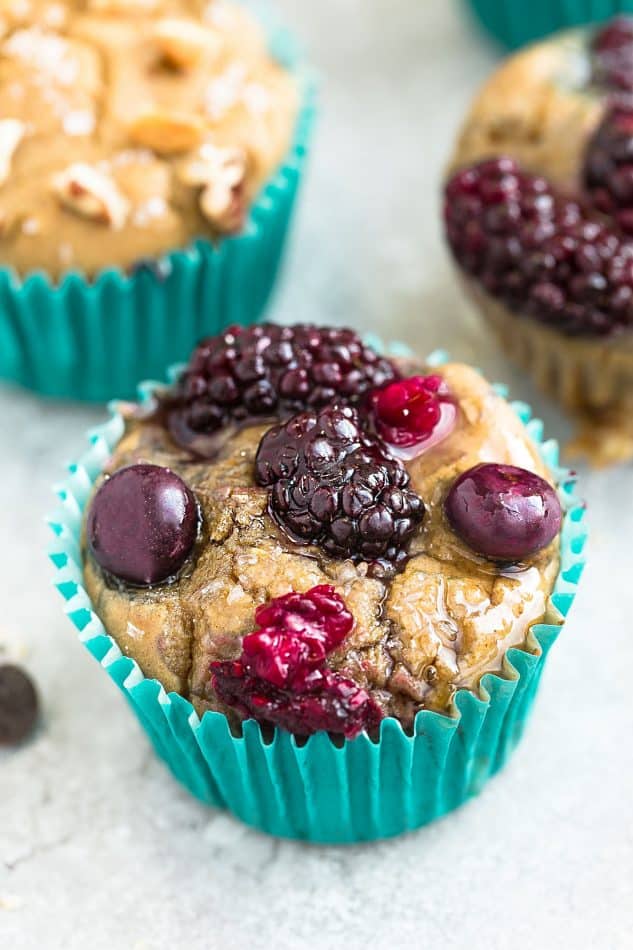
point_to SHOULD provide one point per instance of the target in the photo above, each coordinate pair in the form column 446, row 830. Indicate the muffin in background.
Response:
column 149, row 159
column 340, row 583
column 538, row 211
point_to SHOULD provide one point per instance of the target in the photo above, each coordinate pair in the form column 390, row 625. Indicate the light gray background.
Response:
column 99, row 848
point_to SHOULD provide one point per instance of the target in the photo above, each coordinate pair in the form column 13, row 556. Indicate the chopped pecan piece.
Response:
column 221, row 173
column 91, row 194
column 11, row 134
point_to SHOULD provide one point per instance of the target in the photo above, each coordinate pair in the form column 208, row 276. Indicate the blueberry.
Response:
column 503, row 512
column 142, row 524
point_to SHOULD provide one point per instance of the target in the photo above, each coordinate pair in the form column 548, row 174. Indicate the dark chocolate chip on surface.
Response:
column 19, row 704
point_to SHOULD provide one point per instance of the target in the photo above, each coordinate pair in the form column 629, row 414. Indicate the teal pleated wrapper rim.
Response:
column 515, row 22
column 359, row 790
column 93, row 340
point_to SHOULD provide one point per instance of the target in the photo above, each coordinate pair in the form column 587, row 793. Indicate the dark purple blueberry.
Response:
column 281, row 676
column 334, row 485
column 503, row 512
column 142, row 524
column 19, row 705
column 269, row 371
column 537, row 251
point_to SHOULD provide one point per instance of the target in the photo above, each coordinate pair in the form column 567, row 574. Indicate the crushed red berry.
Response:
column 281, row 677
column 538, row 251
column 296, row 633
column 269, row 371
column 412, row 411
column 334, row 485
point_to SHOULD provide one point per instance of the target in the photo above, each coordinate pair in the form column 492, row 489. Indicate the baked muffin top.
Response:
column 387, row 530
column 131, row 127
column 539, row 206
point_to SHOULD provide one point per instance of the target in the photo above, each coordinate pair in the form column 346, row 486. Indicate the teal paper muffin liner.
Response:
column 92, row 340
column 514, row 22
column 321, row 790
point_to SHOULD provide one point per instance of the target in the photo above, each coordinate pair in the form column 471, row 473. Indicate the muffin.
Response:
column 336, row 569
column 539, row 218
column 514, row 24
column 149, row 157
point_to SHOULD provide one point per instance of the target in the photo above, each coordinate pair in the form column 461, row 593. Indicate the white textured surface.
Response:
column 99, row 848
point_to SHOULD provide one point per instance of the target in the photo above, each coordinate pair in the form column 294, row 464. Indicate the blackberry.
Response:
column 269, row 371
column 281, row 677
column 538, row 251
column 612, row 55
column 334, row 485
column 608, row 167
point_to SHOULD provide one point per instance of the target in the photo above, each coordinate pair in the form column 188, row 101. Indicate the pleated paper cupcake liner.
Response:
column 591, row 377
column 514, row 22
column 94, row 339
column 323, row 790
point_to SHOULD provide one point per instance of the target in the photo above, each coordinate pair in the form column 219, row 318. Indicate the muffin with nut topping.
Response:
column 149, row 157
column 539, row 218
column 306, row 535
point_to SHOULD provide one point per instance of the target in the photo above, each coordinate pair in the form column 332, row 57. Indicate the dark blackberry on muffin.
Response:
column 539, row 218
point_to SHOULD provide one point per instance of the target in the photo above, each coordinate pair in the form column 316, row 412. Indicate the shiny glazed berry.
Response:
column 142, row 524
column 503, row 512
column 269, row 371
column 281, row 677
column 411, row 411
column 333, row 485
column 540, row 253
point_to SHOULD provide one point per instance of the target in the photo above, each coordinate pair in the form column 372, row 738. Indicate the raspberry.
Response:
column 269, row 371
column 297, row 632
column 334, row 485
column 281, row 677
column 410, row 411
column 608, row 169
column 539, row 252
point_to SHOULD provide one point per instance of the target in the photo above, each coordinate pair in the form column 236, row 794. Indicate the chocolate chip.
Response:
column 18, row 705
